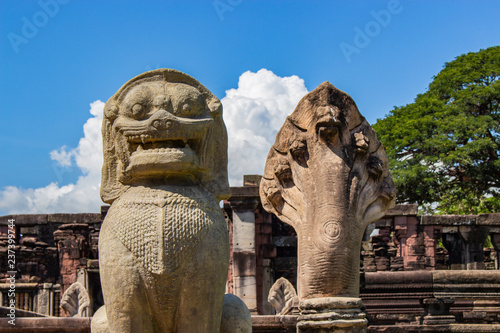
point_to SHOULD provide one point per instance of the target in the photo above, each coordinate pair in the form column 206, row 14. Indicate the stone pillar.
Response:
column 43, row 300
column 73, row 247
column 473, row 237
column 244, row 262
column 267, row 283
column 431, row 234
column 401, row 235
column 265, row 251
column 495, row 240
column 411, row 243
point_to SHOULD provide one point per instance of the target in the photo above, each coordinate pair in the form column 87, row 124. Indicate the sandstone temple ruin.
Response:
column 411, row 259
column 315, row 244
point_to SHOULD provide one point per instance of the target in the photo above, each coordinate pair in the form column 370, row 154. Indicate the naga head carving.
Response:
column 163, row 125
column 327, row 145
column 327, row 175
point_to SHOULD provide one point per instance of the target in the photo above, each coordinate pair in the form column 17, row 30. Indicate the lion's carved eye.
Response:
column 137, row 110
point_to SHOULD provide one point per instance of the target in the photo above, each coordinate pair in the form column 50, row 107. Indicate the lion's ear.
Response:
column 111, row 188
column 217, row 161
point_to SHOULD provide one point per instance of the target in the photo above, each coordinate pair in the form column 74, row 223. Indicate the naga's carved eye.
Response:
column 375, row 167
column 298, row 149
column 283, row 172
column 328, row 132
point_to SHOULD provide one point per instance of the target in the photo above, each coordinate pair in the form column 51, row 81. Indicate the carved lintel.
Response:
column 244, row 203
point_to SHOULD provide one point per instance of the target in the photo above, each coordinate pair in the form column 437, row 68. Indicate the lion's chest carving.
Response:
column 162, row 229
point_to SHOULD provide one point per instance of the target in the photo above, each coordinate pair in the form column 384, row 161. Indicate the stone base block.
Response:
column 439, row 320
column 331, row 314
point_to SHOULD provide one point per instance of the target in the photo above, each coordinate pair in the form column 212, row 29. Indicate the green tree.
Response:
column 444, row 148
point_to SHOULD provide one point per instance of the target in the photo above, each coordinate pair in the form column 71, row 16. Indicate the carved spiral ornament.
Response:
column 332, row 230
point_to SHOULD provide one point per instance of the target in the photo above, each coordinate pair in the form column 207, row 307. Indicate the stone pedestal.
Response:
column 438, row 311
column 331, row 314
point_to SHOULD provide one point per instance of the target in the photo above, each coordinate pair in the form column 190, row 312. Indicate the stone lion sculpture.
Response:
column 327, row 175
column 163, row 245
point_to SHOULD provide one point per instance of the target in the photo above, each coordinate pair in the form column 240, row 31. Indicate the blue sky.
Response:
column 59, row 56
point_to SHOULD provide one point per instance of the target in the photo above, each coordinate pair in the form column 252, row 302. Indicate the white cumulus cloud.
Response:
column 83, row 196
column 254, row 112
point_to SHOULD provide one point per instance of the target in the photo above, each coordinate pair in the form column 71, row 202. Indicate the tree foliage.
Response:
column 444, row 148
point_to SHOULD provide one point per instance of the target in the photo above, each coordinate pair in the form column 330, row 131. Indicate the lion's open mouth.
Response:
column 138, row 145
column 147, row 144
column 150, row 155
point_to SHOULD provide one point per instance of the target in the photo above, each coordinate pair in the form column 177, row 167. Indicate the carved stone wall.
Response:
column 50, row 250
column 41, row 262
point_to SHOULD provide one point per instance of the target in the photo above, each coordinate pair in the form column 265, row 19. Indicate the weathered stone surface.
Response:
column 331, row 314
column 402, row 210
column 327, row 175
column 46, row 325
column 283, row 297
column 74, row 218
column 448, row 220
column 76, row 301
column 236, row 317
column 164, row 244
column 24, row 219
column 491, row 220
column 100, row 322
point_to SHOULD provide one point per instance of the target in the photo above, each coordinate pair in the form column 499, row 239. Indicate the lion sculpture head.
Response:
column 160, row 125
